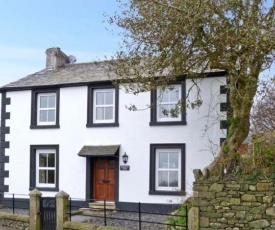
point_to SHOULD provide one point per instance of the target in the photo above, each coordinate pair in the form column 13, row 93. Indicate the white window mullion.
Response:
column 46, row 109
column 104, row 106
column 160, row 95
column 46, row 168
column 168, row 169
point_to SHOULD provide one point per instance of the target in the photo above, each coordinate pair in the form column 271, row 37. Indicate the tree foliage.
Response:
column 163, row 39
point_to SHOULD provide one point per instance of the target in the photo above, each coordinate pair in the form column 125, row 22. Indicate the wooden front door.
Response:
column 104, row 179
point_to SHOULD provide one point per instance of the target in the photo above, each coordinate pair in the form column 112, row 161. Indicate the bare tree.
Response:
column 263, row 110
column 163, row 39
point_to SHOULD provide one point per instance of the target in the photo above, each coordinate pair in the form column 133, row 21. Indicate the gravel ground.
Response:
column 127, row 223
column 124, row 223
column 16, row 211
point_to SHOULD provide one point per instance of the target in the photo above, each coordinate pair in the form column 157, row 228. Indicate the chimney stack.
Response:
column 55, row 58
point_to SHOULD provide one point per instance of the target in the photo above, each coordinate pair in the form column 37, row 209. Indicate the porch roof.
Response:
column 98, row 150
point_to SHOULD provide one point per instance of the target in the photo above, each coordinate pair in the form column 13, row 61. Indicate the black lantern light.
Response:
column 125, row 158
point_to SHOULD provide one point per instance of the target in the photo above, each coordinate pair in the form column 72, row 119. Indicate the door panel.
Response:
column 104, row 179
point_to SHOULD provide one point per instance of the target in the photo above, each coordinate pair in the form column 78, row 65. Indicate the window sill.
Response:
column 91, row 125
column 170, row 193
column 45, row 189
column 44, row 126
column 163, row 123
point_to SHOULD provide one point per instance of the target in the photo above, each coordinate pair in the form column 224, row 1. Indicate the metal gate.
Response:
column 48, row 213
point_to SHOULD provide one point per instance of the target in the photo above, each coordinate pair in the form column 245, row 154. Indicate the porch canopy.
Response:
column 99, row 150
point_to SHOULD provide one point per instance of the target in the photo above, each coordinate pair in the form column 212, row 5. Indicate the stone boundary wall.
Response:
column 234, row 203
column 16, row 221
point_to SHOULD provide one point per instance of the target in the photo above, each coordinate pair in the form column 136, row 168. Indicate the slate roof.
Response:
column 67, row 74
column 77, row 74
column 98, row 150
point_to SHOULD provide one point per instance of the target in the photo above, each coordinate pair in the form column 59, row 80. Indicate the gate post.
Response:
column 35, row 196
column 62, row 199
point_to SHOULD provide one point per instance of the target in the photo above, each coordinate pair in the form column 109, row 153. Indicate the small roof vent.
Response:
column 72, row 59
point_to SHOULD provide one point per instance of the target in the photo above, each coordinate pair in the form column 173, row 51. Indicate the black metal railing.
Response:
column 139, row 218
column 15, row 203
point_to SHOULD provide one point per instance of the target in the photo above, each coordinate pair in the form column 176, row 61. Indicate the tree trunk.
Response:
column 241, row 101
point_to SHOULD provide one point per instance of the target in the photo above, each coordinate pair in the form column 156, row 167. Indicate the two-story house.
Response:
column 66, row 127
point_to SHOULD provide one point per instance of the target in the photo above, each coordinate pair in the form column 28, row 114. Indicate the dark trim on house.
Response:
column 154, row 99
column 90, row 106
column 35, row 93
column 152, row 179
column 89, row 178
column 224, row 106
column 147, row 207
column 8, row 89
column 33, row 149
column 223, row 125
column 4, row 144
column 222, row 140
column 224, row 89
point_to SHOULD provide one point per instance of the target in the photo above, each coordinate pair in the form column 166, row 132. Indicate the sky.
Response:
column 29, row 27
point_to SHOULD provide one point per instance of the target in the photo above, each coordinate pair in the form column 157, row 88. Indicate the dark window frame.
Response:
column 34, row 101
column 154, row 101
column 33, row 149
column 90, row 106
column 152, row 179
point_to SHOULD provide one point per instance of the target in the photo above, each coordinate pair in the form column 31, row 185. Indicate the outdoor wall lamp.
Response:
column 125, row 158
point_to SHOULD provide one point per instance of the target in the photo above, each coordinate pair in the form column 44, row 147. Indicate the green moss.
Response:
column 179, row 219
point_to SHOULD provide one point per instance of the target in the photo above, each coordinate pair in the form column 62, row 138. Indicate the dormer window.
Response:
column 45, row 109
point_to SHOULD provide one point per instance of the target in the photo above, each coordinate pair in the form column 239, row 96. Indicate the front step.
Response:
column 97, row 208
column 100, row 205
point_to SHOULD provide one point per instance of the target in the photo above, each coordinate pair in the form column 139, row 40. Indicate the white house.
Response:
column 66, row 127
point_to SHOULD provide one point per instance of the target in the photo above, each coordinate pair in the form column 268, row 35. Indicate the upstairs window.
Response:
column 167, row 105
column 45, row 109
column 102, row 106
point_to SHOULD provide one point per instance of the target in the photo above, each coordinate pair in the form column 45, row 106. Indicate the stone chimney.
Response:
column 55, row 58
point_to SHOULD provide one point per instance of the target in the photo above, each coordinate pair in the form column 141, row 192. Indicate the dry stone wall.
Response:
column 234, row 203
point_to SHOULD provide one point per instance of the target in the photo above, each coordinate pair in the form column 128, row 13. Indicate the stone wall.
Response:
column 234, row 203
column 16, row 221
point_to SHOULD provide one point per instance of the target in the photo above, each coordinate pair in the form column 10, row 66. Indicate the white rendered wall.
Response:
column 133, row 134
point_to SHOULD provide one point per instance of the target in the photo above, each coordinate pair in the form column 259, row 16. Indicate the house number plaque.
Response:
column 125, row 167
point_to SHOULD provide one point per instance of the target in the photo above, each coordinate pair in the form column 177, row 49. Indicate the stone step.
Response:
column 100, row 206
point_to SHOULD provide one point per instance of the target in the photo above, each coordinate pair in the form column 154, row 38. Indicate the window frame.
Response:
column 92, row 89
column 159, row 188
column 39, row 95
column 36, row 94
column 34, row 151
column 98, row 121
column 43, row 151
column 153, row 189
column 180, row 120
